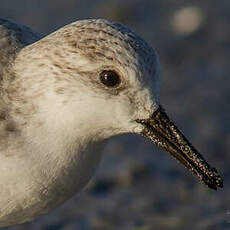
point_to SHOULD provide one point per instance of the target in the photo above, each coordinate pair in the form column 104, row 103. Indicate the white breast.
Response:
column 43, row 183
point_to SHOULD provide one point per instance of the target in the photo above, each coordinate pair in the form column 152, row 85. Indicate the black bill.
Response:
column 160, row 130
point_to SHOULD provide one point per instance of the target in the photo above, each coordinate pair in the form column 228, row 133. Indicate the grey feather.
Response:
column 13, row 37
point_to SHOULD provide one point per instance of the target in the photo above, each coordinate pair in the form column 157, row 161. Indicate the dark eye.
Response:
column 110, row 78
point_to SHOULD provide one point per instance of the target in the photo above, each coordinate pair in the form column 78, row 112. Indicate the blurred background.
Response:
column 138, row 186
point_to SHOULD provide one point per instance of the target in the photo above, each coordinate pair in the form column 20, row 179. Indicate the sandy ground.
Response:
column 139, row 186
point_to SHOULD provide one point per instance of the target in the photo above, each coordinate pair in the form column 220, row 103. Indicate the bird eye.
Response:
column 110, row 78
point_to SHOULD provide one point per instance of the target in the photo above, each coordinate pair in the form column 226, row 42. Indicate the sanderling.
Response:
column 62, row 97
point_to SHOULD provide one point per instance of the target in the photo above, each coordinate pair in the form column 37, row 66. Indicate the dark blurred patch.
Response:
column 56, row 226
column 102, row 187
column 137, row 174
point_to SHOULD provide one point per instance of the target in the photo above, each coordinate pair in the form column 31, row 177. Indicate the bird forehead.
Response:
column 111, row 42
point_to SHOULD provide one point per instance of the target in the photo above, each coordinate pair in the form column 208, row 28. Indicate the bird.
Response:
column 63, row 96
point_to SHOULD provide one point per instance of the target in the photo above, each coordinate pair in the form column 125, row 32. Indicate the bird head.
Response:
column 109, row 77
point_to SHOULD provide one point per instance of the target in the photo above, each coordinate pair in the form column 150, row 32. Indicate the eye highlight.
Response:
column 110, row 78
